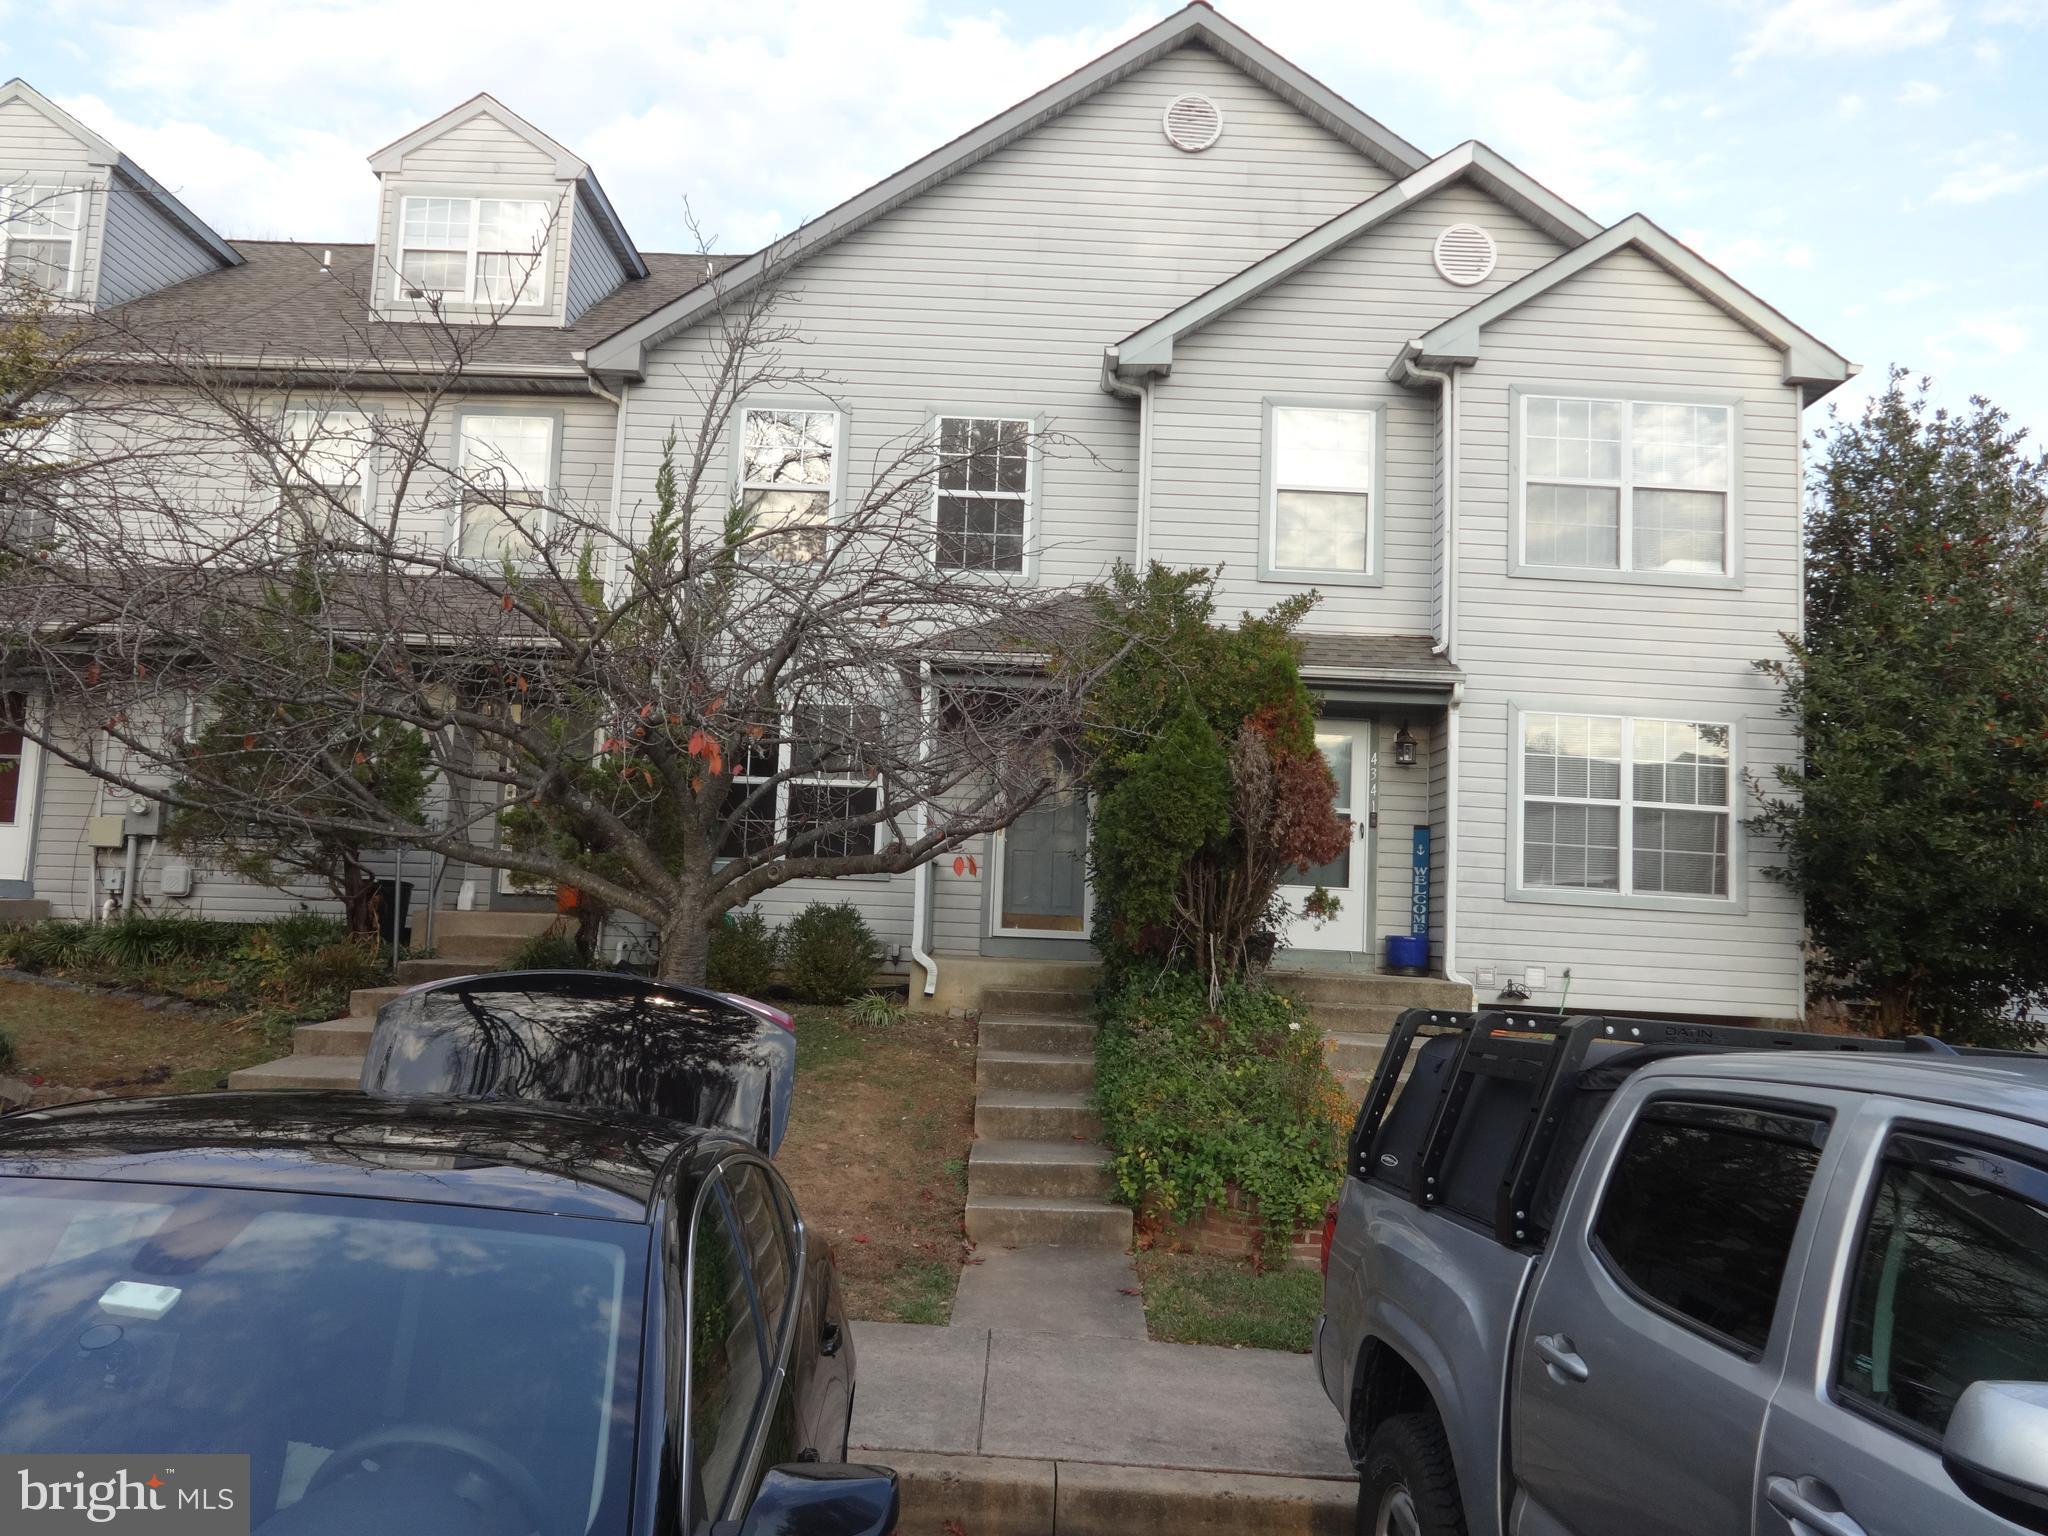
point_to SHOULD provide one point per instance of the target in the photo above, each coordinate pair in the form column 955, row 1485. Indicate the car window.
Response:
column 768, row 1239
column 1699, row 1214
column 1950, row 1286
column 727, row 1353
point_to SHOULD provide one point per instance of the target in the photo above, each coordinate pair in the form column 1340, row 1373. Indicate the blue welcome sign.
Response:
column 1418, row 900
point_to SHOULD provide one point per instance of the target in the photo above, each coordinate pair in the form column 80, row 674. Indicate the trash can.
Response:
column 385, row 908
column 1408, row 953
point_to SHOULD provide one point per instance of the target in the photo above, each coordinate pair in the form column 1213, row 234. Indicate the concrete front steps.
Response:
column 1036, row 1175
column 1357, row 1010
column 330, row 1055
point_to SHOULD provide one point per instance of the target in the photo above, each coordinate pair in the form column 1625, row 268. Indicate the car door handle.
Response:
column 1800, row 1503
column 1565, row 1363
column 828, row 1341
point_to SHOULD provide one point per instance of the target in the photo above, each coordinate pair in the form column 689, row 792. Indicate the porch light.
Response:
column 1404, row 747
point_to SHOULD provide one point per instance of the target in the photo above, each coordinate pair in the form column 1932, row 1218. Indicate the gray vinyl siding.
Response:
column 1404, row 805
column 142, row 250
column 480, row 157
column 34, row 148
column 1324, row 336
column 594, row 270
column 999, row 288
column 1600, row 647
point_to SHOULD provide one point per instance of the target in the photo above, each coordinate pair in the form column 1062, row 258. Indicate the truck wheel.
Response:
column 1406, row 1485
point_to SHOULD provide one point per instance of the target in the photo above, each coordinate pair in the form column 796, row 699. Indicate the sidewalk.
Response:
column 1013, row 1433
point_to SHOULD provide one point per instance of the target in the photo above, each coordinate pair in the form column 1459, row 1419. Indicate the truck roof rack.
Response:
column 1530, row 1064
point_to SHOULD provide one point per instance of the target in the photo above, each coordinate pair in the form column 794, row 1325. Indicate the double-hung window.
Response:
column 984, row 493
column 507, row 466
column 40, row 229
column 1319, row 503
column 805, row 789
column 474, row 250
column 1622, row 485
column 787, row 460
column 324, row 468
column 1629, row 806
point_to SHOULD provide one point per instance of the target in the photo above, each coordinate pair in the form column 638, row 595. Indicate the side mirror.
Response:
column 816, row 1498
column 1996, row 1449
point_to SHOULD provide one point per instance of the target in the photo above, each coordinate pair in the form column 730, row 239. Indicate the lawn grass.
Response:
column 119, row 1046
column 1193, row 1299
column 877, row 1155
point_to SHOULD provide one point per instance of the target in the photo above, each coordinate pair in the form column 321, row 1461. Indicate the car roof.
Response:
column 494, row 1155
column 2014, row 1085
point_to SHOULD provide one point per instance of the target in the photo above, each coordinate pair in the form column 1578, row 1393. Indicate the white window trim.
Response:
column 1375, row 493
column 549, row 491
column 12, row 191
column 786, row 779
column 1735, row 902
column 1519, row 396
column 1033, row 424
column 835, row 490
column 544, row 272
column 291, row 477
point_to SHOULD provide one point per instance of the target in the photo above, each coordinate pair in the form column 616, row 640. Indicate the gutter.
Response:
column 1121, row 389
column 618, row 474
column 921, row 877
column 1407, row 370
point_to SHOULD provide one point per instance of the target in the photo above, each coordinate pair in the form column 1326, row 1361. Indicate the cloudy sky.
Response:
column 1877, row 168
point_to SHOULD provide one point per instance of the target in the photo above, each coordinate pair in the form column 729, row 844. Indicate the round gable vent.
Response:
column 1193, row 123
column 1465, row 254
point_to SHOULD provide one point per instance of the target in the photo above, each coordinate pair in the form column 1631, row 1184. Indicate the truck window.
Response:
column 1950, row 1287
column 1698, row 1217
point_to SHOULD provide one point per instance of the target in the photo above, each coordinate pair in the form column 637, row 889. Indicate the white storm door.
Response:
column 21, row 761
column 1346, row 746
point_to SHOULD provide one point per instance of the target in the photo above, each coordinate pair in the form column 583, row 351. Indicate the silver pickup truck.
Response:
column 1613, row 1277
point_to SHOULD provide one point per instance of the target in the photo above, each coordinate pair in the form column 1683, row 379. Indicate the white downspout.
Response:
column 1446, row 381
column 1144, row 548
column 921, row 877
column 613, row 555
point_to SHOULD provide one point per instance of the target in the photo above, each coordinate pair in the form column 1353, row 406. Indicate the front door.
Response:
column 1346, row 746
column 1041, row 874
column 20, row 761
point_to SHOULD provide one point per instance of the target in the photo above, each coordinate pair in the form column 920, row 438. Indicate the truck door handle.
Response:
column 1804, row 1503
column 1565, row 1364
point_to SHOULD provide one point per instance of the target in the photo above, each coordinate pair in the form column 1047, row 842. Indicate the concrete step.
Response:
column 1058, row 1037
column 1355, row 1018
column 1353, row 1053
column 1033, row 1070
column 486, row 924
column 1046, row 1169
column 411, row 973
column 1035, row 1116
column 478, row 952
column 336, row 1037
column 23, row 911
column 1019, row 1221
column 1370, row 988
column 1040, row 1001
column 365, row 1001
column 301, row 1072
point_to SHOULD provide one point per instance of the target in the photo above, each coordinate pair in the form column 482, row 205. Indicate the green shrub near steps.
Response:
column 1193, row 1103
column 546, row 952
column 742, row 957
column 828, row 952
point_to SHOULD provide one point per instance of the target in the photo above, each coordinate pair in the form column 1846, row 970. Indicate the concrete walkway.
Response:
column 1015, row 1433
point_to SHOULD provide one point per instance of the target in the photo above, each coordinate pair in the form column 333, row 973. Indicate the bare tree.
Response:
column 672, row 707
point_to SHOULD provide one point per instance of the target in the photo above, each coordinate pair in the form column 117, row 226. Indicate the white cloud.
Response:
column 1988, row 53
column 1994, row 167
column 1911, row 293
column 1919, row 93
column 2017, row 13
column 1850, row 106
column 1802, row 28
column 1748, row 253
column 2002, row 334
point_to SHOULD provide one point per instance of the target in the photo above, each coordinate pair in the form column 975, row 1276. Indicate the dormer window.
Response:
column 39, row 236
column 484, row 251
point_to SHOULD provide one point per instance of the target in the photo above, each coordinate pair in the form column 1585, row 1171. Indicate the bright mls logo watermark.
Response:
column 142, row 1494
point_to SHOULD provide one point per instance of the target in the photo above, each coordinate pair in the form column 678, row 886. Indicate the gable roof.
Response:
column 100, row 152
column 1809, row 361
column 569, row 166
column 1198, row 24
column 1150, row 350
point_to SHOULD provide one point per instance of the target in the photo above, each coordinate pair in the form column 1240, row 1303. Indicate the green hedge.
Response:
column 1193, row 1102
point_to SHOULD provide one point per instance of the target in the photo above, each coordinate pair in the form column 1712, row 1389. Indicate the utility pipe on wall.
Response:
column 921, row 877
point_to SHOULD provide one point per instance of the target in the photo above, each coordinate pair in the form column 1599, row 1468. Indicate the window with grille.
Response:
column 1620, row 485
column 323, row 469
column 487, row 251
column 786, row 477
column 984, row 493
column 40, row 230
column 1635, row 807
column 507, row 467
column 813, row 789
